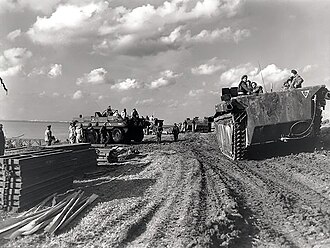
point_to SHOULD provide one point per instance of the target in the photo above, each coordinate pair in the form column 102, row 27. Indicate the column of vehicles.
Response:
column 197, row 125
column 112, row 127
column 245, row 120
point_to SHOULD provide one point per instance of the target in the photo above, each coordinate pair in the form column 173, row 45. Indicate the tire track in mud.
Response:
column 307, row 210
column 170, row 223
column 249, row 226
column 252, row 188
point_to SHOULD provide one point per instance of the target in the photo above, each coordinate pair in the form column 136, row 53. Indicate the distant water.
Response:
column 35, row 129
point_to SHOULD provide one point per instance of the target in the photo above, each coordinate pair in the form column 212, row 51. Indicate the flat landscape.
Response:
column 187, row 194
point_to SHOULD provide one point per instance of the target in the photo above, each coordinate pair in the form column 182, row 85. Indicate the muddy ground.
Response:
column 186, row 194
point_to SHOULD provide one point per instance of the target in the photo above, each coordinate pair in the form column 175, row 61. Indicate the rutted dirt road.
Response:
column 187, row 194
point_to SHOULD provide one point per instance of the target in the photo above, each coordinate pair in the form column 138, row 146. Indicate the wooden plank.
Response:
column 70, row 210
column 89, row 201
column 31, row 224
column 58, row 218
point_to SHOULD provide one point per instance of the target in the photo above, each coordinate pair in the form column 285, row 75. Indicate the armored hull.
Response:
column 249, row 120
column 119, row 130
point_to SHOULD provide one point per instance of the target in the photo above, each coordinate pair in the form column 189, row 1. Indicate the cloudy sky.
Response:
column 60, row 58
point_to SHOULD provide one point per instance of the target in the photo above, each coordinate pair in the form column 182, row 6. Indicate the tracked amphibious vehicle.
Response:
column 244, row 121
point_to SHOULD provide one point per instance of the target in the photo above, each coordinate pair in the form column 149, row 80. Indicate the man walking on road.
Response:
column 175, row 132
column 2, row 141
column 159, row 132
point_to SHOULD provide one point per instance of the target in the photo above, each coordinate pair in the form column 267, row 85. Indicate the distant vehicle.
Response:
column 243, row 121
column 201, row 125
column 119, row 130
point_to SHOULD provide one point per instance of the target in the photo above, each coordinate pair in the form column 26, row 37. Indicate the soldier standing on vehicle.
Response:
column 2, row 141
column 243, row 87
column 116, row 114
column 135, row 114
column 296, row 80
column 123, row 114
column 159, row 132
column 175, row 132
column 49, row 136
column 107, row 112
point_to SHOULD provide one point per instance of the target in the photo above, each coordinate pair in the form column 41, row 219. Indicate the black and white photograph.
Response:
column 165, row 123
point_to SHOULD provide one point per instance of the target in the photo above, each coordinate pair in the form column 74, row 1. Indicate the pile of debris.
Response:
column 51, row 219
column 118, row 154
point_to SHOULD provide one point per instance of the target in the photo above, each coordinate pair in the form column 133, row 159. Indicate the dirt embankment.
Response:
column 187, row 194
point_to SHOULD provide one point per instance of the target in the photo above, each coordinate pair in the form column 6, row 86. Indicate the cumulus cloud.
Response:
column 138, row 31
column 225, row 34
column 6, row 5
column 125, row 100
column 271, row 75
column 35, row 5
column 96, row 76
column 68, row 24
column 167, row 78
column 42, row 94
column 51, row 70
column 180, row 37
column 55, row 70
column 171, row 103
column 215, row 93
column 212, row 66
column 144, row 102
column 78, row 95
column 56, row 94
column 14, row 34
column 309, row 68
column 13, row 60
column 127, row 84
column 197, row 92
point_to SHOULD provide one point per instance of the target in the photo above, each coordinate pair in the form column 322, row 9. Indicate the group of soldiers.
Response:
column 76, row 133
column 246, row 87
column 123, row 114
column 159, row 130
